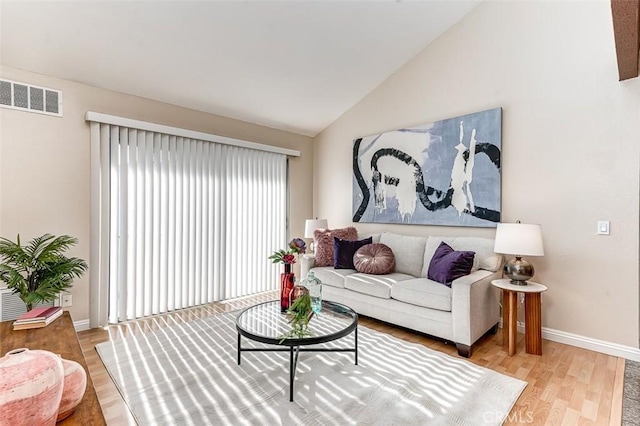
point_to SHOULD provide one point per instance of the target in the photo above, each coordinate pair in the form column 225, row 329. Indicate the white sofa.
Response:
column 461, row 313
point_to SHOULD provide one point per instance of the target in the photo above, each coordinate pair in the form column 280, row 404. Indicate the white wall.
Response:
column 44, row 166
column 571, row 138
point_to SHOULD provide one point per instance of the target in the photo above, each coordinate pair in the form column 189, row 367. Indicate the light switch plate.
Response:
column 603, row 227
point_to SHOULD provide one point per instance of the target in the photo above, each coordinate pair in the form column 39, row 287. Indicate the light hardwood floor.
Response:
column 567, row 385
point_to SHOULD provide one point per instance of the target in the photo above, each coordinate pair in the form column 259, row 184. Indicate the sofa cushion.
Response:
column 423, row 292
column 409, row 252
column 343, row 251
column 485, row 258
column 447, row 264
column 323, row 241
column 331, row 276
column 375, row 259
column 374, row 285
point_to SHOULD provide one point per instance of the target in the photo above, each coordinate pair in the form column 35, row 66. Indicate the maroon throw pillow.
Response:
column 447, row 264
column 375, row 259
column 323, row 241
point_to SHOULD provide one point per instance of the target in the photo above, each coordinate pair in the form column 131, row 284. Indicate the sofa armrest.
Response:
column 474, row 306
column 307, row 262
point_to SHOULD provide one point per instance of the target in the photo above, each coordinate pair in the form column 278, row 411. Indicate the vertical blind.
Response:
column 189, row 221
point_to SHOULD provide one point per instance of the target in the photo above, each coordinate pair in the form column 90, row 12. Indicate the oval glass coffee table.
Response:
column 266, row 324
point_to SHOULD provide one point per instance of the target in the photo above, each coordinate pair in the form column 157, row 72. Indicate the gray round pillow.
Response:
column 375, row 259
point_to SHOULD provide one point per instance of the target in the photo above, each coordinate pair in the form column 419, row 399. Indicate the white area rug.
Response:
column 187, row 374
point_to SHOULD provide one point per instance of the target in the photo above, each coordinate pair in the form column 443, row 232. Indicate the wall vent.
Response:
column 11, row 307
column 27, row 97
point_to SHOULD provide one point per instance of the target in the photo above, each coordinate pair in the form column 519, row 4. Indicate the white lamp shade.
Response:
column 519, row 239
column 312, row 224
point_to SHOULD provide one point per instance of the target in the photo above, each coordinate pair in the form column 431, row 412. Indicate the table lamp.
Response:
column 311, row 225
column 519, row 239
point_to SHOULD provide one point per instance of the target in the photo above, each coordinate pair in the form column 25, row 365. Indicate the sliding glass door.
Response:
column 189, row 221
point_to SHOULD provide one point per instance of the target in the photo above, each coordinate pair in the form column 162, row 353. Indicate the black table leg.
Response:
column 291, row 373
column 239, row 350
column 293, row 364
column 356, row 342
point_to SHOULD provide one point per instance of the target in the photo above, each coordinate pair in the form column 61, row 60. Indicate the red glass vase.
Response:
column 287, row 281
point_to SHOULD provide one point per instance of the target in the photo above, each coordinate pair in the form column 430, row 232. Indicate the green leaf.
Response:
column 299, row 313
column 39, row 271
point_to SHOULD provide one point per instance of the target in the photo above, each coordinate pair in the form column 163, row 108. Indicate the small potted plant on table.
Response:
column 299, row 314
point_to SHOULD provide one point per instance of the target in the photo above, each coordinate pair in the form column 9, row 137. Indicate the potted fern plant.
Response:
column 39, row 271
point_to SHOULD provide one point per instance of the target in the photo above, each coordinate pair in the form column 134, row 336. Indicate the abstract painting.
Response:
column 442, row 173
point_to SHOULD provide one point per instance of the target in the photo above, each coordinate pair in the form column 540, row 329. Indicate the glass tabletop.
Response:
column 267, row 324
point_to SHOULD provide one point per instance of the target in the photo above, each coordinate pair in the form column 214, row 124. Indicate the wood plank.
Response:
column 539, row 414
column 590, row 410
column 626, row 31
column 60, row 338
column 533, row 323
column 558, row 409
column 618, row 393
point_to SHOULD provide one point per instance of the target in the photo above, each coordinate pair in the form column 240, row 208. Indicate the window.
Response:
column 181, row 221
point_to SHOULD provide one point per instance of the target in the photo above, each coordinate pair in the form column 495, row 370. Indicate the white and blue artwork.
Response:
column 443, row 173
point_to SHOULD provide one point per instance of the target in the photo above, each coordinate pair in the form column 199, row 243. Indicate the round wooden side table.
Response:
column 532, row 313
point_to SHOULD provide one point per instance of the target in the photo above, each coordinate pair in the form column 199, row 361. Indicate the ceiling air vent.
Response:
column 27, row 97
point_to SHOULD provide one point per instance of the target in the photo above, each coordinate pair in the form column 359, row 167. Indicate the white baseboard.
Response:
column 81, row 325
column 609, row 348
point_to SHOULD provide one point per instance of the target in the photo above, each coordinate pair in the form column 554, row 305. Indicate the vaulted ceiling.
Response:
column 295, row 66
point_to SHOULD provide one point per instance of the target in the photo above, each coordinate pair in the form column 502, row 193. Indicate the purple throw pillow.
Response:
column 343, row 251
column 447, row 264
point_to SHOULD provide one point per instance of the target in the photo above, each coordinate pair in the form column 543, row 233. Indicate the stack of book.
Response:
column 37, row 317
